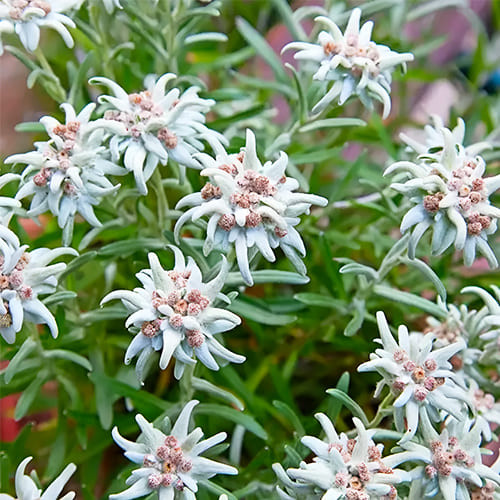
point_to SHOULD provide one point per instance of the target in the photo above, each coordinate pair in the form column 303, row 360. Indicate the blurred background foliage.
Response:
column 298, row 338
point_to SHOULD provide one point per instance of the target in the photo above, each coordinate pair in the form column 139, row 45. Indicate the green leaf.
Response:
column 355, row 324
column 127, row 247
column 350, row 404
column 318, row 300
column 205, row 37
column 286, row 14
column 142, row 398
column 217, row 392
column 410, row 299
column 336, row 405
column 262, row 48
column 428, row 273
column 268, row 276
column 97, row 315
column 333, row 123
column 303, row 109
column 29, row 394
column 80, row 77
column 69, row 356
column 35, row 127
column 215, row 488
column 58, row 297
column 226, row 413
column 257, row 313
column 28, row 346
column 291, row 416
column 77, row 263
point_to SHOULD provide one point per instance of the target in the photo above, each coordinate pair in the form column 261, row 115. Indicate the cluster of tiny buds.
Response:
column 359, row 475
column 17, row 7
column 167, row 137
column 67, row 132
column 15, row 280
column 168, row 461
column 444, row 333
column 470, row 192
column 144, row 109
column 419, row 374
column 444, row 459
column 183, row 304
column 483, row 401
column 252, row 187
column 484, row 493
column 353, row 51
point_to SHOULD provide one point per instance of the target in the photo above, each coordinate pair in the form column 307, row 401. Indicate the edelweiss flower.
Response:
column 66, row 174
column 174, row 313
column 486, row 409
column 249, row 204
column 169, row 461
column 343, row 468
column 25, row 17
column 24, row 276
column 152, row 126
column 26, row 489
column 356, row 65
column 418, row 374
column 453, row 459
column 475, row 328
column 449, row 192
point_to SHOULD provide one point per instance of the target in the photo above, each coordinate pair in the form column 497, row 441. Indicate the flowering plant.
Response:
column 199, row 228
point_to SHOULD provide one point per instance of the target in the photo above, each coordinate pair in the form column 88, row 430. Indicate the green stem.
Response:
column 162, row 202
column 382, row 410
column 53, row 84
column 186, row 384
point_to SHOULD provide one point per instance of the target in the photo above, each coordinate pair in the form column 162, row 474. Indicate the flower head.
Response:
column 26, row 489
column 449, row 192
column 26, row 17
column 174, row 313
column 249, row 205
column 67, row 174
column 23, row 276
column 418, row 374
column 452, row 461
column 170, row 461
column 154, row 125
column 355, row 65
column 342, row 468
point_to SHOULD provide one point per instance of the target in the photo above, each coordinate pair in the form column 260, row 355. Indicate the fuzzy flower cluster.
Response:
column 418, row 374
column 153, row 125
column 67, row 174
column 249, row 204
column 352, row 62
column 451, row 463
column 170, row 461
column 26, row 17
column 174, row 313
column 23, row 277
column 450, row 193
column 342, row 468
column 26, row 489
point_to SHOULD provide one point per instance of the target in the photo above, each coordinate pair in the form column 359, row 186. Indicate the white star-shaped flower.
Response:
column 152, row 126
column 174, row 313
column 355, row 64
column 418, row 374
column 67, row 174
column 169, row 459
column 23, row 277
column 26, row 17
column 26, row 489
column 249, row 204
column 450, row 194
